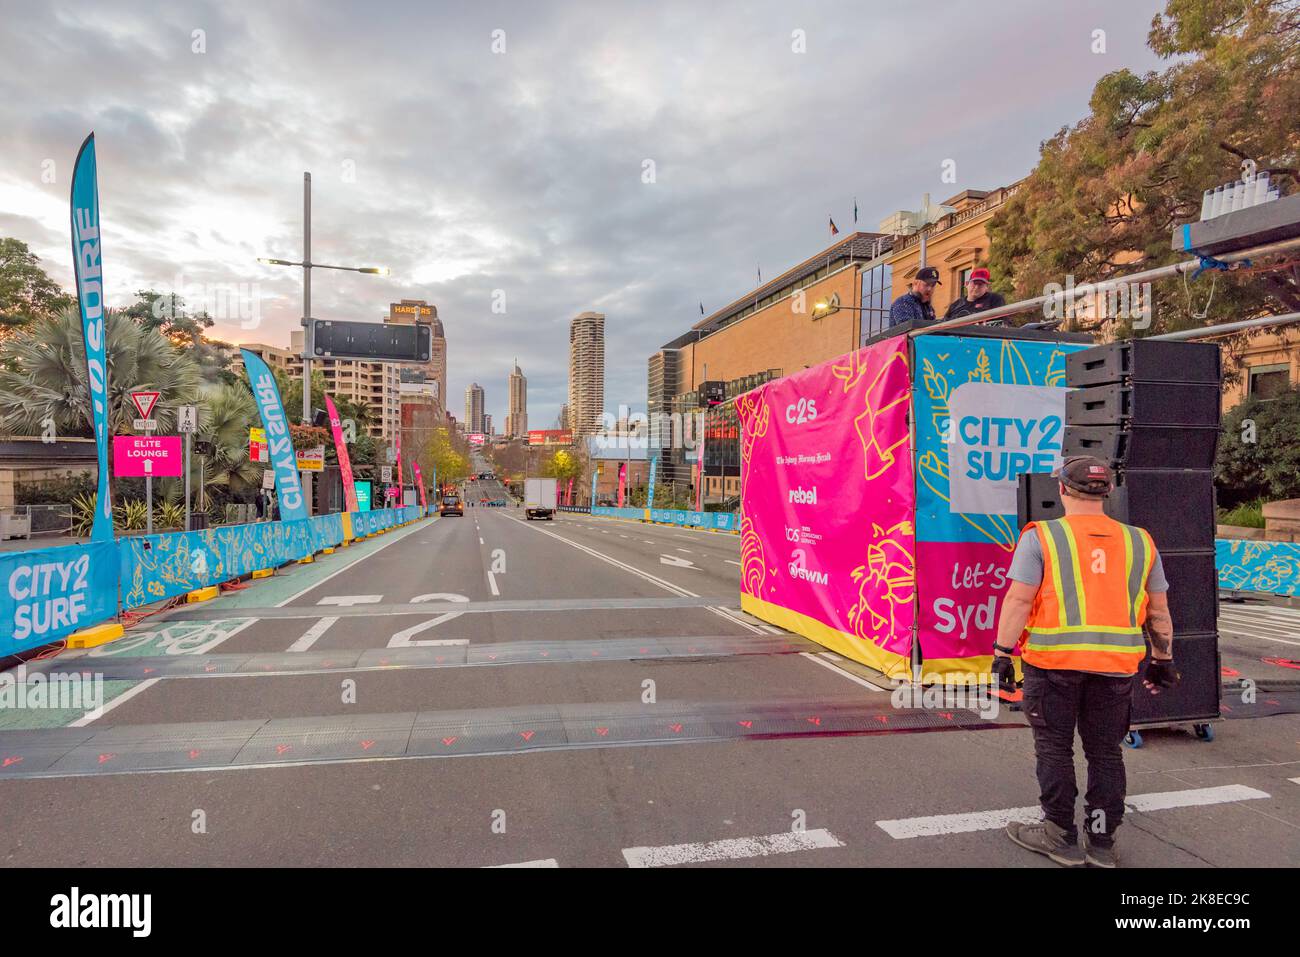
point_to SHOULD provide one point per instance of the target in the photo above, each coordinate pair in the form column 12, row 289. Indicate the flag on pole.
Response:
column 834, row 231
column 855, row 210
column 288, row 487
column 341, row 453
column 88, row 268
column 701, row 309
column 760, row 275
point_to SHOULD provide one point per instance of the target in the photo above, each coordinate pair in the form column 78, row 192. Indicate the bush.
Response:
column 1246, row 515
column 58, row 490
column 1259, row 455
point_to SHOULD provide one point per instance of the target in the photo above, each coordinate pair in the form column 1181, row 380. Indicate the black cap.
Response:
column 929, row 274
column 1086, row 474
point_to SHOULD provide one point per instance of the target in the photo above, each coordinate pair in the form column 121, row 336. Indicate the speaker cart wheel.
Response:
column 1205, row 732
column 1133, row 739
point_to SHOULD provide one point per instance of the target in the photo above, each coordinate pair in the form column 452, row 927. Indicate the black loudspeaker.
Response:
column 1038, row 498
column 1144, row 403
column 1196, row 696
column 1143, row 360
column 1176, row 506
column 1193, row 590
column 1144, row 447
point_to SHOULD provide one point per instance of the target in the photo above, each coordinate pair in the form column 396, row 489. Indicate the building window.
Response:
column 1268, row 382
column 962, row 275
column 876, row 300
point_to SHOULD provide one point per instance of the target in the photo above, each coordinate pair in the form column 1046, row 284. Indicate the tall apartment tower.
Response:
column 474, row 408
column 586, row 372
column 408, row 312
column 517, row 407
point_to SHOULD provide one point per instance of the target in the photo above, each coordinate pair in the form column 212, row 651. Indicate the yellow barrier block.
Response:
column 202, row 594
column 327, row 551
column 99, row 635
column 263, row 572
column 307, row 561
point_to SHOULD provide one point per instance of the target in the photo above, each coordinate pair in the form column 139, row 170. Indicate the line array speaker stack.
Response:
column 1150, row 410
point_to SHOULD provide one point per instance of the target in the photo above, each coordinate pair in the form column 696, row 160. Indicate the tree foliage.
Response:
column 1259, row 455
column 26, row 292
column 1108, row 192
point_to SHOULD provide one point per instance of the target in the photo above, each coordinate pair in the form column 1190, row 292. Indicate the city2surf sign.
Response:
column 284, row 461
column 49, row 593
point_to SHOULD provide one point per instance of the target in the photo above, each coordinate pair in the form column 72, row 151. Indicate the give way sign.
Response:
column 144, row 402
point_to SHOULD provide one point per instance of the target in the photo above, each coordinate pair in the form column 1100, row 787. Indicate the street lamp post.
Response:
column 307, row 266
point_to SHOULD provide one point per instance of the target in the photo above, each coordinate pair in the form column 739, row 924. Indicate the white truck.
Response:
column 539, row 498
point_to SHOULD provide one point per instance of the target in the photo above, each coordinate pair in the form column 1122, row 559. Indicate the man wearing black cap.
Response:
column 1081, row 591
column 914, row 305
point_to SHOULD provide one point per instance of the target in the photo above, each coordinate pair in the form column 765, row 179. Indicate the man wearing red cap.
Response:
column 1082, row 590
column 979, row 298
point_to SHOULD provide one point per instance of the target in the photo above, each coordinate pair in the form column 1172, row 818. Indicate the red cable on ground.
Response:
column 1282, row 662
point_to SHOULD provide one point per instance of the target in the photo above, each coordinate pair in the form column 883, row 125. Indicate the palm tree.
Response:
column 43, row 378
column 227, row 412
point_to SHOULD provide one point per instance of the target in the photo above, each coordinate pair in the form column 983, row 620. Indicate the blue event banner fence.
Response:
column 49, row 593
column 723, row 521
column 1269, row 567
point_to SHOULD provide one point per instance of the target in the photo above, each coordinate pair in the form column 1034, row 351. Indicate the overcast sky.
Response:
column 467, row 170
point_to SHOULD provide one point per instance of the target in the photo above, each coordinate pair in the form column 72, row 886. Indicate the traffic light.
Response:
column 376, row 341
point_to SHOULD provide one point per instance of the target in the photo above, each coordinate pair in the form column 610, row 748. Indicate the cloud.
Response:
column 468, row 171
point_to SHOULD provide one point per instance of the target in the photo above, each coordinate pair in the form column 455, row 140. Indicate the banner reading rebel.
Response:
column 288, row 485
column 827, row 538
column 341, row 452
column 87, row 266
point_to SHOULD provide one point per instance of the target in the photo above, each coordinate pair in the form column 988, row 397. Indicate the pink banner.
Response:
column 568, row 497
column 622, row 482
column 399, row 455
column 419, row 483
column 135, row 456
column 827, row 536
column 341, row 451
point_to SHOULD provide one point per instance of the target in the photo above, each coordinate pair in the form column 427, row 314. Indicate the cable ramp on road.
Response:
column 270, row 743
column 487, row 654
column 424, row 609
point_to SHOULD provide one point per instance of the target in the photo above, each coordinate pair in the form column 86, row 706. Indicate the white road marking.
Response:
column 731, row 849
column 402, row 639
column 392, row 540
column 310, row 636
column 480, row 540
column 492, row 583
column 126, row 695
column 939, row 824
column 1294, row 780
column 730, row 562
column 840, row 671
column 548, row 862
column 676, row 562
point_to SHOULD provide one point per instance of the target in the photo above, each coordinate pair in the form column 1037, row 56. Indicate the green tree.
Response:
column 166, row 313
column 1108, row 192
column 26, row 292
column 1259, row 457
column 43, row 385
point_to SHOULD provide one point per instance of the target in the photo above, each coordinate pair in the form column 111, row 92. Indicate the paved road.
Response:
column 487, row 691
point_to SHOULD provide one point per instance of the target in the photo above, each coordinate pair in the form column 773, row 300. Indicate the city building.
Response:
column 487, row 424
column 474, row 408
column 409, row 311
column 422, row 413
column 586, row 372
column 517, row 407
column 952, row 237
column 376, row 385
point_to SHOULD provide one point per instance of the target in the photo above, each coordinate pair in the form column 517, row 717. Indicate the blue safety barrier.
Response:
column 723, row 521
column 1246, row 565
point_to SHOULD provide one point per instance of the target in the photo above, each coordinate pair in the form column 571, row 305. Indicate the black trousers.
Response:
column 1056, row 702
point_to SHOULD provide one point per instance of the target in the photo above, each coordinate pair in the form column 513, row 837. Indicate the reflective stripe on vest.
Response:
column 1062, row 632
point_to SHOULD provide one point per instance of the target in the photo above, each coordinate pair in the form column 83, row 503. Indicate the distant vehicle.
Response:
column 451, row 506
column 539, row 498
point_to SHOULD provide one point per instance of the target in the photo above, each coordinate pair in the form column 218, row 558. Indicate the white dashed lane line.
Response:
column 731, row 849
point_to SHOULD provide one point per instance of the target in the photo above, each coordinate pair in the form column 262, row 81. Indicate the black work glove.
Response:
column 1161, row 675
column 1004, row 670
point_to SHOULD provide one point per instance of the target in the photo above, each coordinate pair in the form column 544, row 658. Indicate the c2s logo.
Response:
column 797, row 413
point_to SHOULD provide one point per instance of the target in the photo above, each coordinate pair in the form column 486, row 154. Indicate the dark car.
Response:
column 451, row 506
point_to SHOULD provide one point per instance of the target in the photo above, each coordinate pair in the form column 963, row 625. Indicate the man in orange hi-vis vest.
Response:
column 1081, row 590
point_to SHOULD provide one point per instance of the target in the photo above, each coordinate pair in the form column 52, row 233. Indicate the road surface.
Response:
column 485, row 691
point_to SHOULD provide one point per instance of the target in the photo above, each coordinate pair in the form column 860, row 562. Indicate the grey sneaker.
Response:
column 1099, row 856
column 1044, row 837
